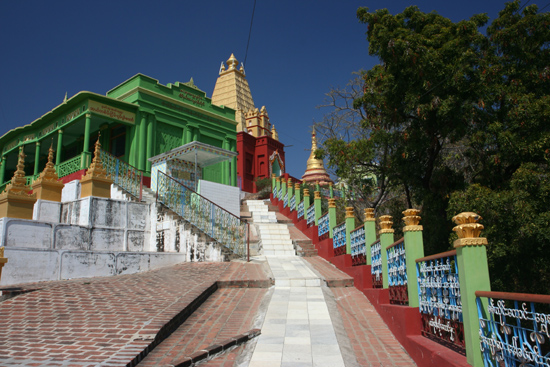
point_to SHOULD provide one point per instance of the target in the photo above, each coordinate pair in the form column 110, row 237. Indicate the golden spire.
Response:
column 96, row 168
column 315, row 170
column 312, row 162
column 232, row 90
column 18, row 184
column 274, row 133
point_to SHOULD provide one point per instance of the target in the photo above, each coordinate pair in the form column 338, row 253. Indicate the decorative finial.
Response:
column 65, row 99
column 369, row 214
column 18, row 185
column 386, row 224
column 232, row 62
column 468, row 230
column 411, row 219
column 222, row 68
column 332, row 202
column 349, row 212
column 317, row 194
column 241, row 69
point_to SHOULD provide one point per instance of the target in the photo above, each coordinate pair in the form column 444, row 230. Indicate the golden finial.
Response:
column 317, row 194
column 332, row 203
column 232, row 62
column 369, row 214
column 386, row 224
column 349, row 212
column 289, row 183
column 306, row 192
column 468, row 230
column 296, row 186
column 411, row 219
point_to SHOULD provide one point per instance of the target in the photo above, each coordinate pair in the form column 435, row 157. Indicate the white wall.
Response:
column 228, row 197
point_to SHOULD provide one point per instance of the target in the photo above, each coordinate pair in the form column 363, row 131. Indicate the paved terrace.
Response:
column 168, row 317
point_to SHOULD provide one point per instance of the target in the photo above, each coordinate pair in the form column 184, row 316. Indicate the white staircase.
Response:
column 274, row 236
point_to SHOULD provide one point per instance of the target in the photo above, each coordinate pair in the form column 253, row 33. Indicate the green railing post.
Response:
column 306, row 202
column 283, row 186
column 370, row 232
column 289, row 189
column 278, row 186
column 331, row 190
column 273, row 182
column 414, row 249
column 386, row 239
column 331, row 215
column 350, row 226
column 318, row 208
column 297, row 194
column 473, row 272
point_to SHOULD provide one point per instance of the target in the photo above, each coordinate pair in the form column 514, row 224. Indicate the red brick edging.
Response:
column 216, row 348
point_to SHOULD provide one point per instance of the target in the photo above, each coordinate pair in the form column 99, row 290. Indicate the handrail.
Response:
column 127, row 181
column 398, row 242
column 215, row 221
column 523, row 297
column 437, row 256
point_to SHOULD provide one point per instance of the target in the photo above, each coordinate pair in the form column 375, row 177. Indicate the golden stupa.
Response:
column 315, row 171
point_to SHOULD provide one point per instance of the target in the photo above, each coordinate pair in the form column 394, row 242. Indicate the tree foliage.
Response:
column 456, row 120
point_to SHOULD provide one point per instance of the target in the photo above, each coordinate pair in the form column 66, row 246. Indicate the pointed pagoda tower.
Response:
column 260, row 152
column 315, row 170
column 232, row 90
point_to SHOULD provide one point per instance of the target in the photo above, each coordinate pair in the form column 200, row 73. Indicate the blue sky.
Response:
column 298, row 50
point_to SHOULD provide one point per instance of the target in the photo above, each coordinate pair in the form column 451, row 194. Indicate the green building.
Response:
column 135, row 121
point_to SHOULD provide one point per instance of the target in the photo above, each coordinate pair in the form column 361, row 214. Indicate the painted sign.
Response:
column 73, row 114
column 112, row 112
column 193, row 98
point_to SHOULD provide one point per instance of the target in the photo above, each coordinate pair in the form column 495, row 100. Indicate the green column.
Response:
column 273, row 182
column 289, row 190
column 318, row 208
column 189, row 137
column 196, row 134
column 277, row 186
column 414, row 249
column 297, row 194
column 331, row 189
column 2, row 169
column 473, row 272
column 370, row 232
column 225, row 165
column 306, row 202
column 350, row 226
column 234, row 164
column 36, row 158
column 331, row 216
column 86, row 155
column 142, row 149
column 283, row 187
column 59, row 146
column 386, row 239
column 150, row 140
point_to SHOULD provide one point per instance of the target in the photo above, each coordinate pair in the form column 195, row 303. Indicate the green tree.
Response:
column 509, row 151
column 455, row 120
column 418, row 105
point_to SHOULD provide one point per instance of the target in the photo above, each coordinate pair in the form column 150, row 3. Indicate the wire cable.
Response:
column 249, row 32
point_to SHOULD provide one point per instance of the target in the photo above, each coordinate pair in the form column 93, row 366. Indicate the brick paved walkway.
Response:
column 227, row 313
column 371, row 339
column 107, row 321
